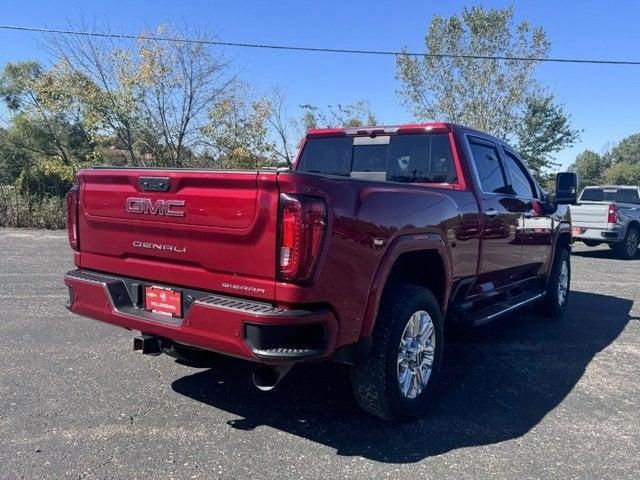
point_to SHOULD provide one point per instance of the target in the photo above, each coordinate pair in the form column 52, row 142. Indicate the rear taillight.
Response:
column 612, row 215
column 73, row 200
column 303, row 221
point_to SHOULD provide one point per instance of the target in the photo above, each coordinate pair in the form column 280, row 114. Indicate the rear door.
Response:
column 203, row 229
column 502, row 216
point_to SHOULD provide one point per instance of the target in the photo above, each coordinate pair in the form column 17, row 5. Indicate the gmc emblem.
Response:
column 147, row 206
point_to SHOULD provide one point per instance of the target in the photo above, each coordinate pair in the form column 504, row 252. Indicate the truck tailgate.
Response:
column 209, row 230
column 590, row 215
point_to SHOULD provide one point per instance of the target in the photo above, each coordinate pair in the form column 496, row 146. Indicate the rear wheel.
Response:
column 628, row 248
column 398, row 379
column 554, row 302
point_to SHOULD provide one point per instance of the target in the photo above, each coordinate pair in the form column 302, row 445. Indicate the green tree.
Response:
column 589, row 166
column 12, row 159
column 153, row 97
column 622, row 173
column 45, row 120
column 543, row 131
column 627, row 151
column 45, row 141
column 621, row 164
column 356, row 114
column 237, row 132
column 489, row 94
column 286, row 131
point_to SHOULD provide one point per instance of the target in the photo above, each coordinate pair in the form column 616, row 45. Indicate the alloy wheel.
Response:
column 632, row 243
column 416, row 354
column 563, row 283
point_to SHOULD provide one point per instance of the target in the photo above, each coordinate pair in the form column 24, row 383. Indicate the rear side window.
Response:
column 396, row 158
column 490, row 170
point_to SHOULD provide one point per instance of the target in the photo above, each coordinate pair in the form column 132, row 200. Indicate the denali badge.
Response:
column 147, row 206
column 159, row 246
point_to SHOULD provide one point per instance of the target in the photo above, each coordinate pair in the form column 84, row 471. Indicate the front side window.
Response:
column 521, row 183
column 490, row 171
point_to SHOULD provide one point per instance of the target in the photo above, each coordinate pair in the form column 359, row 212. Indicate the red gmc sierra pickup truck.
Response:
column 358, row 254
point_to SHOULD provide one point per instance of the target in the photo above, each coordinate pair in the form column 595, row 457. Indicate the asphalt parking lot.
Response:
column 520, row 398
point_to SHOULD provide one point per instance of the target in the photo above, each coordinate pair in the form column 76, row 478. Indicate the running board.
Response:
column 491, row 313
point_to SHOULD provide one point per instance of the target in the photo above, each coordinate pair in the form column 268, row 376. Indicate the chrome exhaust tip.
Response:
column 266, row 377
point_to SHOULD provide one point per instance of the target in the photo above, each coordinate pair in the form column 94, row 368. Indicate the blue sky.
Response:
column 604, row 101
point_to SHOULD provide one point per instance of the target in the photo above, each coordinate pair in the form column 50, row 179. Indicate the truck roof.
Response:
column 612, row 186
column 439, row 127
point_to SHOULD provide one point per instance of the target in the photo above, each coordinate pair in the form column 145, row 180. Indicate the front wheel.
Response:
column 398, row 379
column 628, row 248
column 554, row 302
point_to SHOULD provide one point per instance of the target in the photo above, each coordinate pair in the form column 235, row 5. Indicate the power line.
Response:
column 317, row 49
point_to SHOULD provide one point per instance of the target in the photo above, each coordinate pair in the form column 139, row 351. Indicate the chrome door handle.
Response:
column 491, row 213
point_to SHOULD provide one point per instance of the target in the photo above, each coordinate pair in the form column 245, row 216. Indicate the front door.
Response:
column 501, row 218
column 535, row 234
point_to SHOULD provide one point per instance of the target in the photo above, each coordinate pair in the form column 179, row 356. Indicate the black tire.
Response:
column 375, row 382
column 628, row 248
column 552, row 305
column 591, row 243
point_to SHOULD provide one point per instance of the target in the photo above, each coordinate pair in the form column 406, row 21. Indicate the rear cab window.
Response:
column 409, row 158
column 607, row 194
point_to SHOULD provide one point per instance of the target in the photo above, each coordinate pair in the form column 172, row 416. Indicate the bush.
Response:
column 48, row 177
column 22, row 210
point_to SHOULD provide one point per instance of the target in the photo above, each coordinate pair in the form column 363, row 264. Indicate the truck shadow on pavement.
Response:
column 496, row 385
column 602, row 253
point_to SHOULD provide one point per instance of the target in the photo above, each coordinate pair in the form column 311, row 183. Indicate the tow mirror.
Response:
column 566, row 188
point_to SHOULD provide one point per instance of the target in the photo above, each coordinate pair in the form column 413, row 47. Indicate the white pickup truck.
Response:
column 608, row 214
